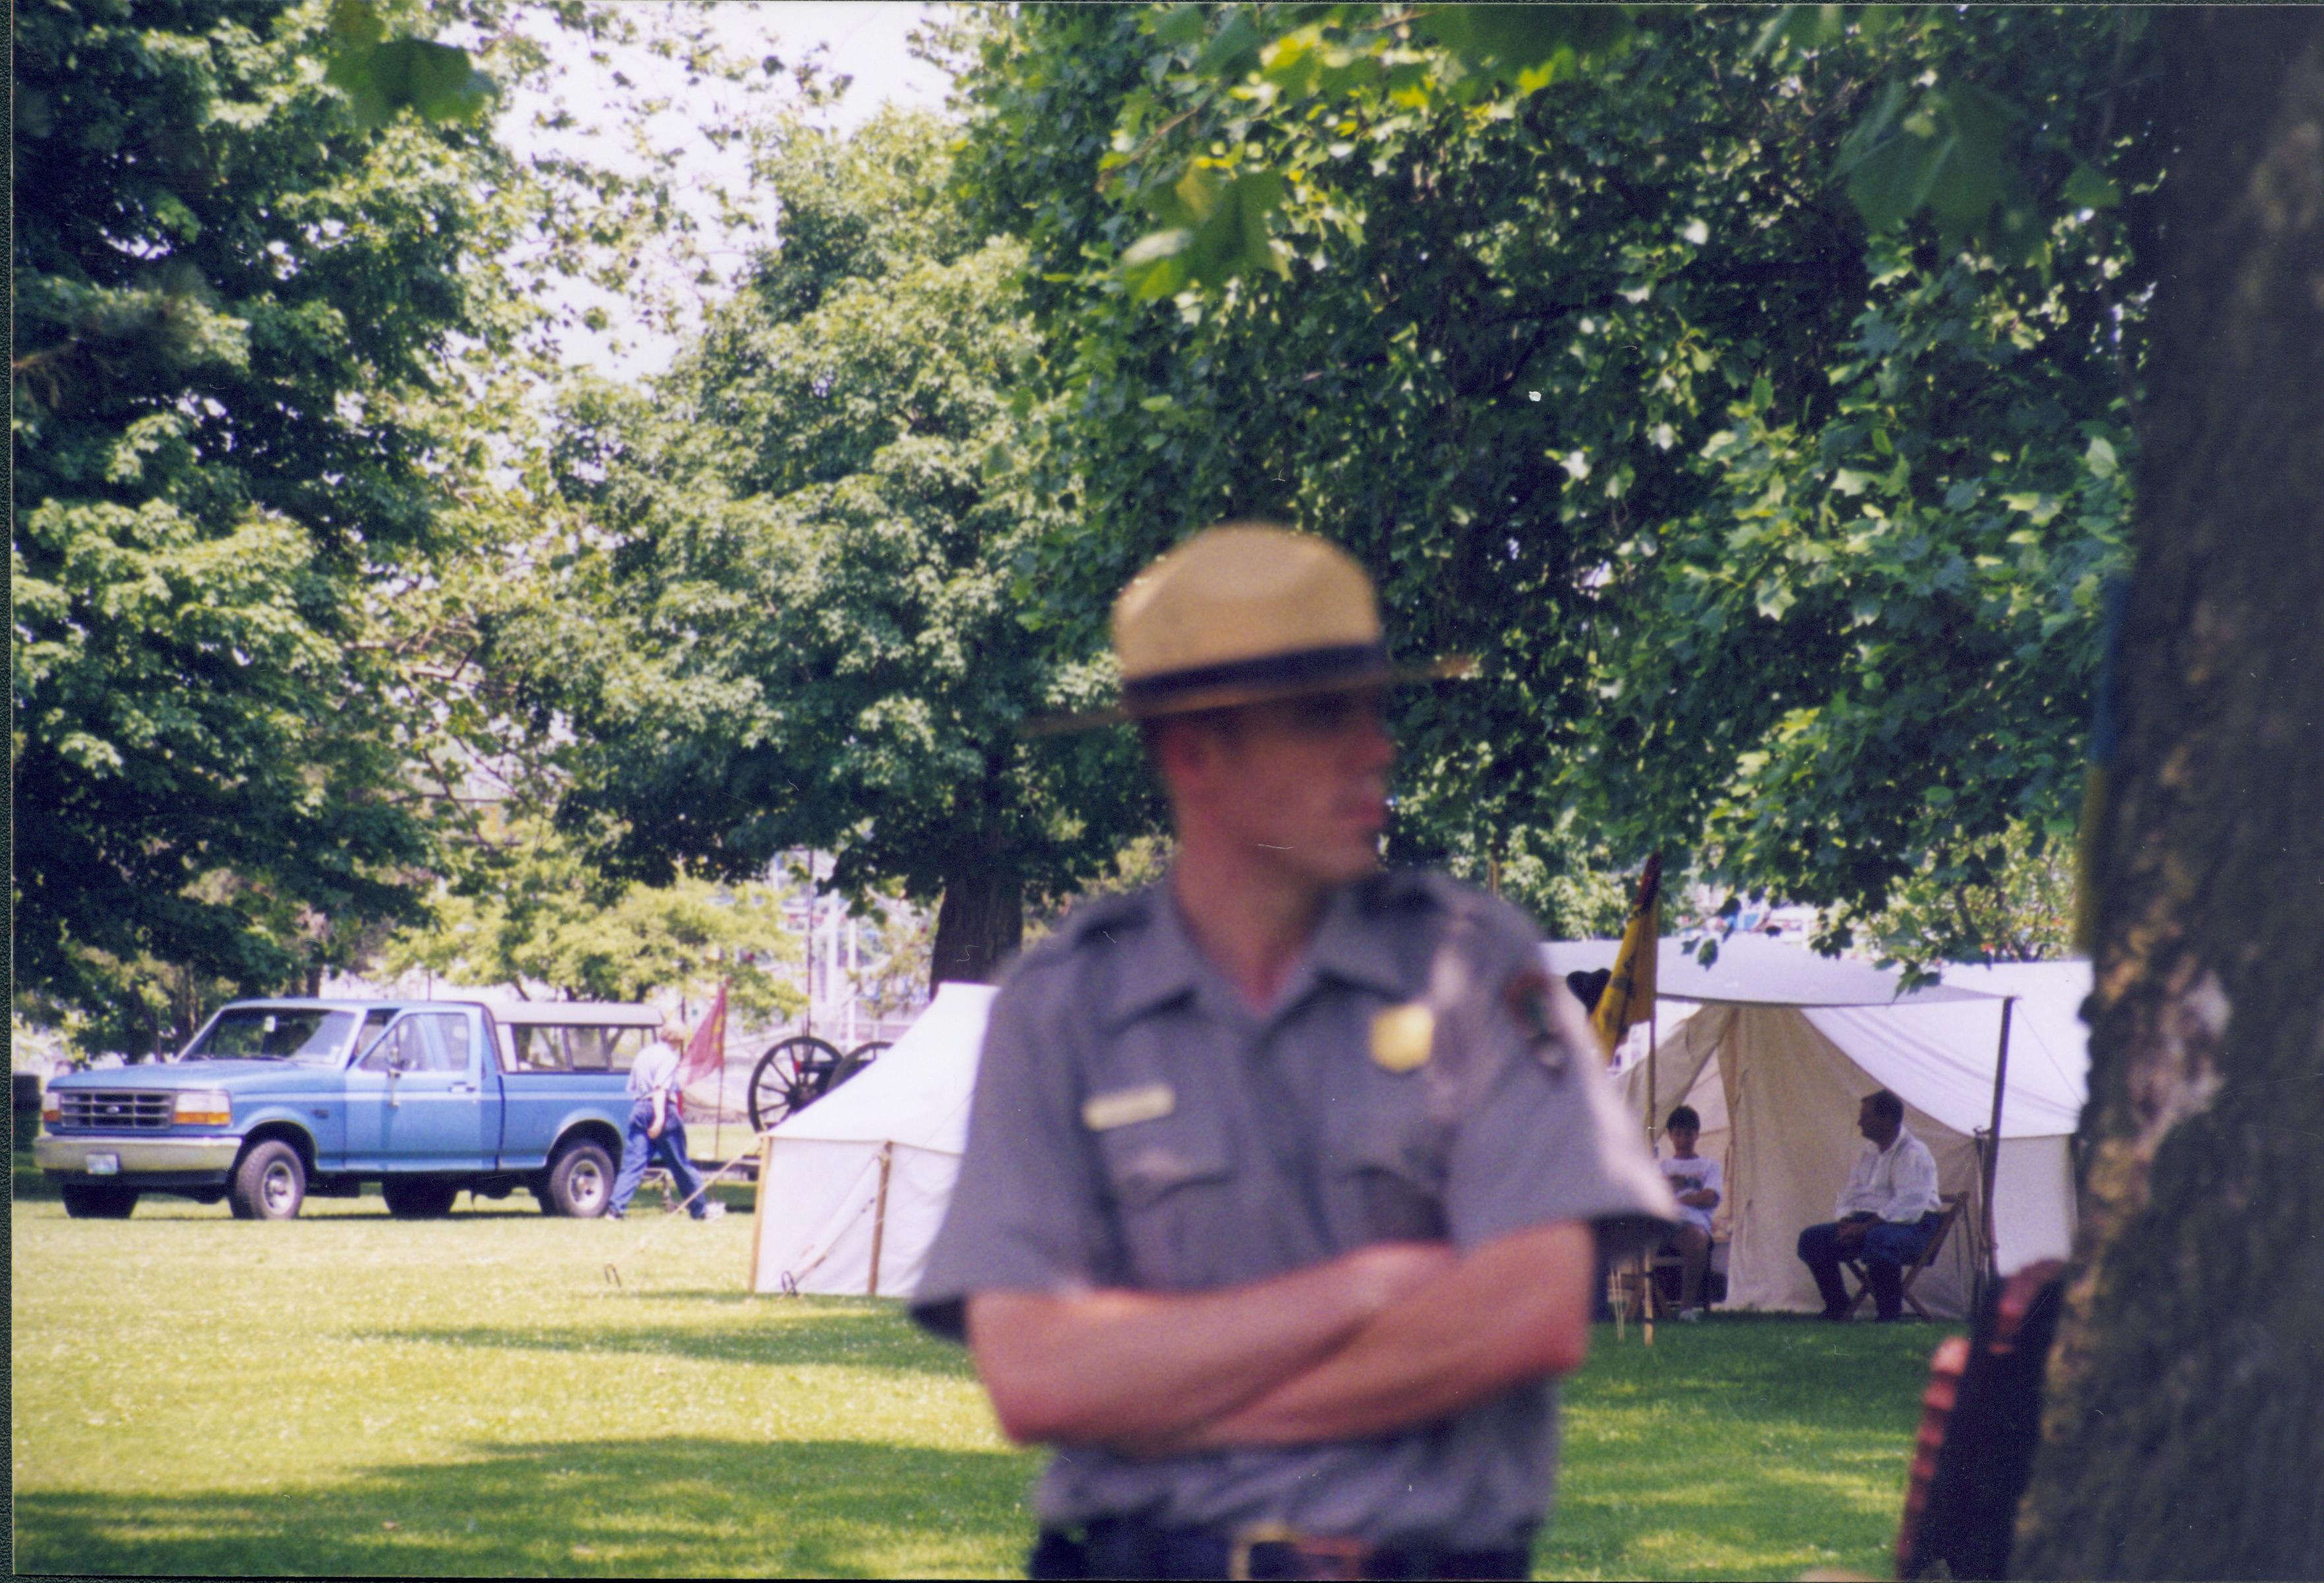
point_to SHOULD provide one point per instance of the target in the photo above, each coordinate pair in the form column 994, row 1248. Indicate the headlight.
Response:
column 52, row 1109
column 204, row 1107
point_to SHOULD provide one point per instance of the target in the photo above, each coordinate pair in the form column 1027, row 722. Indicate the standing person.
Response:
column 1697, row 1182
column 1277, row 1208
column 657, row 1129
column 1886, row 1215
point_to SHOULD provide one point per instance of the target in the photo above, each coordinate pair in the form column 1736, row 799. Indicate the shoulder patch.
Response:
column 1526, row 996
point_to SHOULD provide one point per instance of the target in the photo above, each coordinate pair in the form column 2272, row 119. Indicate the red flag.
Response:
column 705, row 1052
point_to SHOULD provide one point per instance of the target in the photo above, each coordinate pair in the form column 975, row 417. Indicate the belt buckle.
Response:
column 1322, row 1558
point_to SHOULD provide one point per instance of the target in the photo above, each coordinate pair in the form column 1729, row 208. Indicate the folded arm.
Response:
column 1134, row 1367
column 1516, row 1310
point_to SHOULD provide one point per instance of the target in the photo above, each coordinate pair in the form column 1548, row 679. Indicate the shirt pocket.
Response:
column 1173, row 1187
column 1387, row 1177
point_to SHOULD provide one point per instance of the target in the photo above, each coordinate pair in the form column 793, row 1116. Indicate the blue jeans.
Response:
column 639, row 1151
column 1883, row 1253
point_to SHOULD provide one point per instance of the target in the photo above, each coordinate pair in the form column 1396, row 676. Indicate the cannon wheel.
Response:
column 854, row 1062
column 790, row 1077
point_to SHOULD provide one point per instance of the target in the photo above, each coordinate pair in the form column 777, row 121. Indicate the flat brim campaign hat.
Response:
column 1246, row 613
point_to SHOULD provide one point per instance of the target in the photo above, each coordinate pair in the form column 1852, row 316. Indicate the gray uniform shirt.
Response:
column 1137, row 1125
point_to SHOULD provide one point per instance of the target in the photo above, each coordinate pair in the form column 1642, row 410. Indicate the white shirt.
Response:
column 1686, row 1176
column 654, row 1070
column 1897, row 1183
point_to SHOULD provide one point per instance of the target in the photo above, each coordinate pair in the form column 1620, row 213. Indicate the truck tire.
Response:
column 270, row 1184
column 580, row 1181
column 99, row 1200
column 419, row 1200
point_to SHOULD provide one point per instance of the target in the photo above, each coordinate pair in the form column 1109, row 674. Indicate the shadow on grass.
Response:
column 581, row 1508
column 809, row 1340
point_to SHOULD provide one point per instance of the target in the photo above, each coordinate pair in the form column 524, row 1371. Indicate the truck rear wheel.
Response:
column 270, row 1184
column 580, row 1181
column 99, row 1200
column 418, row 1201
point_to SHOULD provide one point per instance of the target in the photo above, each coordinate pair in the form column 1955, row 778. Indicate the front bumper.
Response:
column 192, row 1161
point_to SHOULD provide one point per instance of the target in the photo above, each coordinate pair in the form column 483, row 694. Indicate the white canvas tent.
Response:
column 1781, row 1044
column 852, row 1188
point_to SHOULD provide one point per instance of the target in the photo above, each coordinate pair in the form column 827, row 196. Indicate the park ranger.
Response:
column 1277, row 1212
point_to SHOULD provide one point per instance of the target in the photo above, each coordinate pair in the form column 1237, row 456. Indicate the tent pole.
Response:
column 879, row 1218
column 1653, row 1104
column 1992, row 1272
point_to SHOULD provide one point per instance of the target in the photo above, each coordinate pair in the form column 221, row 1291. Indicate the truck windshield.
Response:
column 305, row 1035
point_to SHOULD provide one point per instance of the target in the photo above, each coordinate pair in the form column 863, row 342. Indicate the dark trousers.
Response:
column 1883, row 1253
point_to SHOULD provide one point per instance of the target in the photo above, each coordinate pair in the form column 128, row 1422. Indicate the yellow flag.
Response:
column 1629, row 996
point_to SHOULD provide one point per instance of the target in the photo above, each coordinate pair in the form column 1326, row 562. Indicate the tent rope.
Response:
column 614, row 1266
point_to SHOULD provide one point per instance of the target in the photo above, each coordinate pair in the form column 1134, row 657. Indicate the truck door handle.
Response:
column 463, row 1089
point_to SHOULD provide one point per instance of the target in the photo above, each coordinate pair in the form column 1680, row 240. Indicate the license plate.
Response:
column 105, row 1165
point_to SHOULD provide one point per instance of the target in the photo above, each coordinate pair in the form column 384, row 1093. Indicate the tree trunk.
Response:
column 2184, row 1431
column 979, row 923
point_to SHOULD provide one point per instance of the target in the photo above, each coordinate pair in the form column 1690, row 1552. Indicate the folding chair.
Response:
column 1675, row 1263
column 1952, row 1205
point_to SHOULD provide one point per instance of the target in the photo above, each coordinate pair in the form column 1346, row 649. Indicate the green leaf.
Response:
column 2087, row 189
column 2100, row 458
column 1231, row 235
column 1179, row 25
column 1527, row 46
column 435, row 80
column 355, row 24
column 1974, row 173
column 1156, row 265
column 1891, row 181
column 1233, row 50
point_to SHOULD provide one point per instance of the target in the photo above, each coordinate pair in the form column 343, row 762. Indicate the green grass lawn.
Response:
column 352, row 1394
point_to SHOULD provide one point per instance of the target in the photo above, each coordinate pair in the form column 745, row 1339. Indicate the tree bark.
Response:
column 979, row 922
column 2183, row 1435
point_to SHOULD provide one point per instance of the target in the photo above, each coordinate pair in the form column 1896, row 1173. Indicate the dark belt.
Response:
column 1132, row 1547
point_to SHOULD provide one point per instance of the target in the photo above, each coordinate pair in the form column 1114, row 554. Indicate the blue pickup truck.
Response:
column 275, row 1100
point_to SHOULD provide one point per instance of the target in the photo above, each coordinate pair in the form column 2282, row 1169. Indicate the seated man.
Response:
column 1696, row 1180
column 1887, row 1213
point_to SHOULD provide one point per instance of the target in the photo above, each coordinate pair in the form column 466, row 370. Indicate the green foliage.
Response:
column 1777, row 540
column 225, row 293
column 809, row 627
column 2007, row 900
column 526, row 906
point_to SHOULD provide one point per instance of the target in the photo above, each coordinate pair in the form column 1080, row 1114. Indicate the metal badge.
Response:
column 1125, row 1107
column 1403, row 1036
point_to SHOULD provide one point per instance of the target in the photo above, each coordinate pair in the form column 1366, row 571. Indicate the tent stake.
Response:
column 1992, row 1272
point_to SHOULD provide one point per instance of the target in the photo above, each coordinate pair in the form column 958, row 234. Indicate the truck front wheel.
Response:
column 86, row 1200
column 270, row 1184
column 580, row 1181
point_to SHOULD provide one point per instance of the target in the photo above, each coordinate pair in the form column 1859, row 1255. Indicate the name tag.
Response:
column 1123, row 1106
